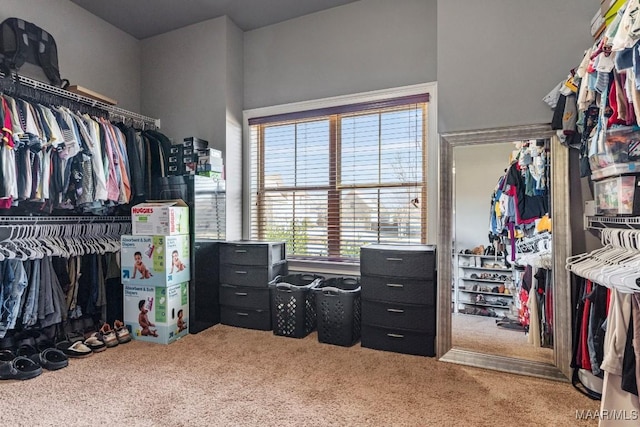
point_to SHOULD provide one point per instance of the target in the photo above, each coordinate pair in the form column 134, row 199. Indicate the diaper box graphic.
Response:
column 157, row 314
column 160, row 218
column 155, row 260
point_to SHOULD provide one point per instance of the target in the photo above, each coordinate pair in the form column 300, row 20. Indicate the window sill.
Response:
column 324, row 267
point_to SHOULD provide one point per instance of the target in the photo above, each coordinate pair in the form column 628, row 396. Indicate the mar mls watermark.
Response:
column 608, row 414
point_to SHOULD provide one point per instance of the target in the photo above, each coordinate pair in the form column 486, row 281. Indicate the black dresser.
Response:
column 246, row 268
column 204, row 287
column 399, row 298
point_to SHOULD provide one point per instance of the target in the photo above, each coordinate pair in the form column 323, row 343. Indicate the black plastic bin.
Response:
column 338, row 311
column 293, row 309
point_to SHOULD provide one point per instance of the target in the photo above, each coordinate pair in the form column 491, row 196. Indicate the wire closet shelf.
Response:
column 113, row 111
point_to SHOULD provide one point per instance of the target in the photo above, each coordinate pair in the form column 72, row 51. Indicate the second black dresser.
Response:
column 399, row 298
column 246, row 268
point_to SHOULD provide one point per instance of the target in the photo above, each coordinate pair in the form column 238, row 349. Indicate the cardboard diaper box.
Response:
column 155, row 260
column 157, row 314
column 160, row 218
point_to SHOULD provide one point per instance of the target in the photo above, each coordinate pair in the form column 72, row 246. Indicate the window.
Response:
column 328, row 181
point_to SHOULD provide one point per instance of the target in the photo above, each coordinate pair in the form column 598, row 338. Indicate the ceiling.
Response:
column 147, row 18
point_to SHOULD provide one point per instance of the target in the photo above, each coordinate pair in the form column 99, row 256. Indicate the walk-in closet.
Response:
column 325, row 213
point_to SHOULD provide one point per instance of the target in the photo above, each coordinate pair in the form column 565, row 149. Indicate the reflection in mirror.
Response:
column 502, row 292
column 450, row 243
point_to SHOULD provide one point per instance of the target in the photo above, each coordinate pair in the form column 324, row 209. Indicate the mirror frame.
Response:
column 561, row 230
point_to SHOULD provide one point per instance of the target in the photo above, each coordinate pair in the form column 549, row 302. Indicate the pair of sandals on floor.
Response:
column 83, row 343
column 31, row 352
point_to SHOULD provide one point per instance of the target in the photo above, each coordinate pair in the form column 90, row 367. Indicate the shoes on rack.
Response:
column 478, row 250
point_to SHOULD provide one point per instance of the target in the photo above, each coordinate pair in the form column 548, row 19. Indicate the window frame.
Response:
column 431, row 152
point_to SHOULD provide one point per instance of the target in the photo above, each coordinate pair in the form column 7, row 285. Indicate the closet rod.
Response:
column 114, row 112
column 10, row 220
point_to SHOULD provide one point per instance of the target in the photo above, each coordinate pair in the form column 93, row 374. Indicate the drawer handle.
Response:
column 241, row 251
column 242, row 314
column 395, row 285
column 241, row 294
column 395, row 310
column 394, row 259
column 240, row 272
column 395, row 336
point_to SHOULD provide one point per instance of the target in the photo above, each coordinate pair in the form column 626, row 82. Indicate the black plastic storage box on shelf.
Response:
column 338, row 311
column 293, row 307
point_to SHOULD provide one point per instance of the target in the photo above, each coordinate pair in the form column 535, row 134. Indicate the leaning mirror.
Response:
column 483, row 269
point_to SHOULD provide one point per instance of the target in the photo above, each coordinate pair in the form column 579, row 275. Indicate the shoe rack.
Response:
column 483, row 285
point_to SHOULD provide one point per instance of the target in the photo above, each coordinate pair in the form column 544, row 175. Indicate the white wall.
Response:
column 497, row 59
column 233, row 158
column 191, row 80
column 184, row 83
column 362, row 46
column 91, row 52
column 478, row 168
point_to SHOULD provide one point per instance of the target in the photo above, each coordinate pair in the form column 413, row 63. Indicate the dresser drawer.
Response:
column 245, row 296
column 398, row 340
column 400, row 316
column 252, row 253
column 411, row 261
column 250, row 275
column 245, row 318
column 409, row 291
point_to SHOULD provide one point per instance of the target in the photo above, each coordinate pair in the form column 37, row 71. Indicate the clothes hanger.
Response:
column 632, row 243
column 573, row 263
column 33, row 243
column 624, row 253
column 5, row 244
column 45, row 230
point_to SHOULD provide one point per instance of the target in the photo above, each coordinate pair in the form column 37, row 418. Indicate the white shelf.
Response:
column 479, row 304
column 483, row 256
column 468, row 279
column 599, row 222
column 461, row 291
column 485, row 268
column 487, row 293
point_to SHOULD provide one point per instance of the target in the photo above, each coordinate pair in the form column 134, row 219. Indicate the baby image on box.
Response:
column 182, row 325
column 145, row 323
column 139, row 267
column 176, row 264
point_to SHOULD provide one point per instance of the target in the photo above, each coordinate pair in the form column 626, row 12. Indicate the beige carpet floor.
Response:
column 478, row 333
column 227, row 376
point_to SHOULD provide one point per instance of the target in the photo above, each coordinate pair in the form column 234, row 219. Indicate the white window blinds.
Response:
column 329, row 181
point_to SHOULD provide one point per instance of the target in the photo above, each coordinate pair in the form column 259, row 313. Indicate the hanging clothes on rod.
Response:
column 55, row 269
column 56, row 159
